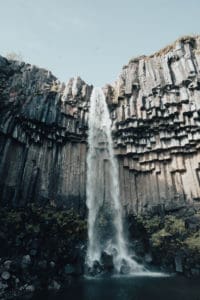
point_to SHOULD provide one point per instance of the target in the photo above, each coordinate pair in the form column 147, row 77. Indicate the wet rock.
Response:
column 96, row 269
column 178, row 264
column 107, row 261
column 26, row 261
column 5, row 275
column 54, row 285
column 33, row 252
column 125, row 269
column 52, row 264
column 30, row 288
column 148, row 258
column 138, row 247
column 7, row 264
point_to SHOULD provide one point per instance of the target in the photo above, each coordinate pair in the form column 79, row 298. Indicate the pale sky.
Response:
column 92, row 38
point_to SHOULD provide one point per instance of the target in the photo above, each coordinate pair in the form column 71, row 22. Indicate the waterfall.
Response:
column 105, row 225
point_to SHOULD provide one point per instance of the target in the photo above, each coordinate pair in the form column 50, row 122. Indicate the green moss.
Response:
column 168, row 232
column 158, row 237
column 153, row 224
column 193, row 241
column 174, row 225
column 49, row 225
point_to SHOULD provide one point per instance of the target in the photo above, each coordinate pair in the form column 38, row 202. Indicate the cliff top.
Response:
column 193, row 40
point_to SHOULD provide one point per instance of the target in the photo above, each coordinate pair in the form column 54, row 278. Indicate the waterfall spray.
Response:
column 105, row 225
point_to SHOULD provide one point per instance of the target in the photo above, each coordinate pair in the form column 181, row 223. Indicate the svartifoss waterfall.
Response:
column 105, row 226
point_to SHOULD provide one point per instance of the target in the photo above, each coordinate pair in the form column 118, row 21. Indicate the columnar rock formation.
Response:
column 155, row 107
column 156, row 113
column 43, row 137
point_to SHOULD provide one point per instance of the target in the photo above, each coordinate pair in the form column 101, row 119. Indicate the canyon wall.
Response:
column 156, row 118
column 155, row 108
column 42, row 137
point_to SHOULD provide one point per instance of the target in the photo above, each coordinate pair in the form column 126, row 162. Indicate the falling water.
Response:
column 105, row 226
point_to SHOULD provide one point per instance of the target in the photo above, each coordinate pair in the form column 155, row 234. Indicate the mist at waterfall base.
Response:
column 105, row 225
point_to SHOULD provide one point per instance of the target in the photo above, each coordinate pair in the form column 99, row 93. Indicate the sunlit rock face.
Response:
column 154, row 106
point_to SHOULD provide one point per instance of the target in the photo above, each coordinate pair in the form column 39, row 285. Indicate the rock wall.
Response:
column 42, row 137
column 155, row 107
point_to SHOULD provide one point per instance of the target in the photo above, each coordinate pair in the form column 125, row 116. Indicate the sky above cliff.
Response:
column 92, row 38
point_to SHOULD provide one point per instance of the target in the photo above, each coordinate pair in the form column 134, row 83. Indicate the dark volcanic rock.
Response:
column 5, row 275
column 107, row 262
column 42, row 137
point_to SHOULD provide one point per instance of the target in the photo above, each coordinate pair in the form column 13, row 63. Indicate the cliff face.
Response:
column 43, row 137
column 156, row 113
column 155, row 107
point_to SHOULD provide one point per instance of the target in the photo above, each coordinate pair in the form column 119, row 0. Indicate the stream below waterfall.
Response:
column 127, row 288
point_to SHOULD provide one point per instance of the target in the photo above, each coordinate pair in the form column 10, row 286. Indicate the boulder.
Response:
column 30, row 288
column 52, row 264
column 54, row 285
column 7, row 264
column 26, row 261
column 107, row 261
column 5, row 275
